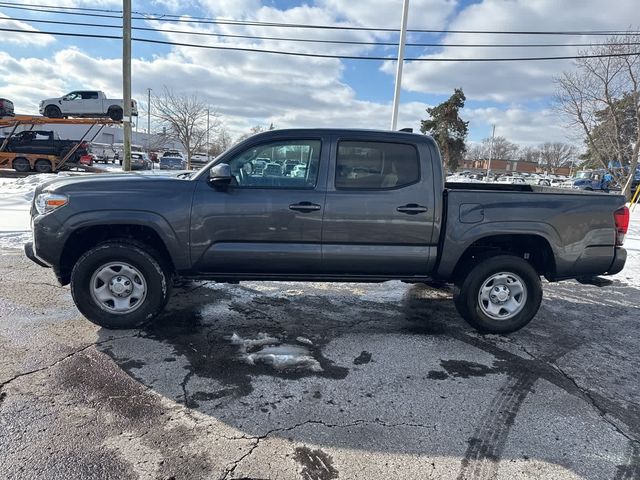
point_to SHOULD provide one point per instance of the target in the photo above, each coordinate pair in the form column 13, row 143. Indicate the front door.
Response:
column 269, row 220
column 379, row 212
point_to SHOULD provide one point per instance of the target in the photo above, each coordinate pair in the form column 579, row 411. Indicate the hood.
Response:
column 107, row 182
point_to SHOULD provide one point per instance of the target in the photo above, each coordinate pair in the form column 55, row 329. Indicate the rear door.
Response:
column 380, row 206
column 91, row 104
column 267, row 221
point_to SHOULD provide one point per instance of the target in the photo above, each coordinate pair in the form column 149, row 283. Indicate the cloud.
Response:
column 22, row 39
column 512, row 81
column 519, row 125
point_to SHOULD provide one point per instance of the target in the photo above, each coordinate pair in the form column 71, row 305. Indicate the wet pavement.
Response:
column 317, row 382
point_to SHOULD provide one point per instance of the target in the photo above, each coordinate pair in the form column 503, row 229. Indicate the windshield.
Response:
column 583, row 174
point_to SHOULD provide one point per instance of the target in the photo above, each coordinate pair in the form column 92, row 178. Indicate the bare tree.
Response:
column 185, row 118
column 476, row 152
column 597, row 97
column 530, row 153
column 220, row 142
column 555, row 154
column 255, row 130
column 502, row 149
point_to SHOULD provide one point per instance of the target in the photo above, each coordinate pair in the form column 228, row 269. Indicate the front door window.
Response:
column 291, row 164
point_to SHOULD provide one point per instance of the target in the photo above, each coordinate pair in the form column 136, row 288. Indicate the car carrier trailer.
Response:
column 46, row 163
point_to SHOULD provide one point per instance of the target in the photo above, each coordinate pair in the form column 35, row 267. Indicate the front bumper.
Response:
column 28, row 251
column 619, row 259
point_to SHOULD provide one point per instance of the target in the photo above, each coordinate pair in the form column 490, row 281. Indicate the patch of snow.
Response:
column 285, row 357
column 265, row 349
column 631, row 271
column 249, row 344
column 304, row 341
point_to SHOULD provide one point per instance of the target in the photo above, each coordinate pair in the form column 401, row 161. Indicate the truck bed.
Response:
column 576, row 226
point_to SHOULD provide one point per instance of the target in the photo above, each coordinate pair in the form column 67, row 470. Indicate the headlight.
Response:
column 47, row 202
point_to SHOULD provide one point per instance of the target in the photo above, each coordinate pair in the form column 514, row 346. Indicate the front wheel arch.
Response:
column 86, row 238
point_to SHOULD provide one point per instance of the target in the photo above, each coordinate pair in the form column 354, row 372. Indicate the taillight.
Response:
column 621, row 217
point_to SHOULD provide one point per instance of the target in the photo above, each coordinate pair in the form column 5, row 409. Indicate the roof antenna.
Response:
column 408, row 130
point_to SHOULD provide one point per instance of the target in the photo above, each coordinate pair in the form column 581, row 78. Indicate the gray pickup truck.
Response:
column 351, row 205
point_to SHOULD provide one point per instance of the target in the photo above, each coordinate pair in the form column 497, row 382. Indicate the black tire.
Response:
column 115, row 114
column 142, row 258
column 52, row 112
column 20, row 164
column 43, row 166
column 468, row 303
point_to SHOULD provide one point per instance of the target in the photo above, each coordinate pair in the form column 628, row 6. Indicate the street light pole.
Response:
column 403, row 39
column 149, row 124
column 493, row 135
column 208, row 135
column 126, row 83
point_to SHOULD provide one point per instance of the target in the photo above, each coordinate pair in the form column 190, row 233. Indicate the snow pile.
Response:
column 267, row 350
column 16, row 195
column 631, row 271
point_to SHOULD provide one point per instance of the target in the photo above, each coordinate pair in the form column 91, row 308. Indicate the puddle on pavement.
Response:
column 232, row 359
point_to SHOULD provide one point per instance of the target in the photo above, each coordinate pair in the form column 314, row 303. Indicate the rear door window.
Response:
column 362, row 165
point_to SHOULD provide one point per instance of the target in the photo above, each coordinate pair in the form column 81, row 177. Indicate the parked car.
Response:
column 85, row 103
column 46, row 142
column 169, row 162
column 299, row 171
column 140, row 161
column 272, row 169
column 6, row 108
column 492, row 241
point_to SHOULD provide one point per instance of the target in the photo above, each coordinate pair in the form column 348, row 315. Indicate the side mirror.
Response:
column 220, row 175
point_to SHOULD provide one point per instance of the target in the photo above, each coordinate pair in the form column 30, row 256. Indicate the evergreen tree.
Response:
column 448, row 129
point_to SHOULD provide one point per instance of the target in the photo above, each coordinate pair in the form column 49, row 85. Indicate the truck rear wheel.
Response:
column 115, row 114
column 500, row 294
column 21, row 164
column 52, row 112
column 43, row 166
column 118, row 285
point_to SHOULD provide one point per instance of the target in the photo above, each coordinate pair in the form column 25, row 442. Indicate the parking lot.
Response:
column 317, row 381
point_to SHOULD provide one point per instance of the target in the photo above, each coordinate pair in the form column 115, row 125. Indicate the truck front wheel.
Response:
column 119, row 285
column 52, row 112
column 500, row 294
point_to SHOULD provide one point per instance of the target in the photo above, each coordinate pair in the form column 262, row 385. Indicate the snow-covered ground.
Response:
column 15, row 200
column 16, row 195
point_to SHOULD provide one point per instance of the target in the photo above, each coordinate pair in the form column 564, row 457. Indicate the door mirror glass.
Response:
column 220, row 175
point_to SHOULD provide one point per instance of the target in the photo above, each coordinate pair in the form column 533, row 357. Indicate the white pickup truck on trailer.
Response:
column 86, row 103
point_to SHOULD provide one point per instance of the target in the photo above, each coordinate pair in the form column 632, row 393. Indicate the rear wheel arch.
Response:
column 533, row 248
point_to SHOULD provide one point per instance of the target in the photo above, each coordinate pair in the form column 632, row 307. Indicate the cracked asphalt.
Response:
column 404, row 388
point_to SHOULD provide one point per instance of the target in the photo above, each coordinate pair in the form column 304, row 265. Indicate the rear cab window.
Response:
column 367, row 165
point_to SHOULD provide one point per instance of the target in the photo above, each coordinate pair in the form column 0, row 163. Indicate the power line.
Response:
column 205, row 20
column 308, row 40
column 316, row 55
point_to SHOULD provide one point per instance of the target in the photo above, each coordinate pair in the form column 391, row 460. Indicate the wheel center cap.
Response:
column 120, row 285
column 500, row 294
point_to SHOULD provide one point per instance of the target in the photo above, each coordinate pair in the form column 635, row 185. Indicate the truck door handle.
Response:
column 305, row 207
column 412, row 209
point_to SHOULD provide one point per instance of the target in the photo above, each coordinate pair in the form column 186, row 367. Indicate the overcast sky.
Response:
column 253, row 88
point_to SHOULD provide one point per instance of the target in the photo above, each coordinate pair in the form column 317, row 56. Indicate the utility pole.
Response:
column 208, row 135
column 126, row 82
column 149, row 124
column 403, row 39
column 493, row 136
